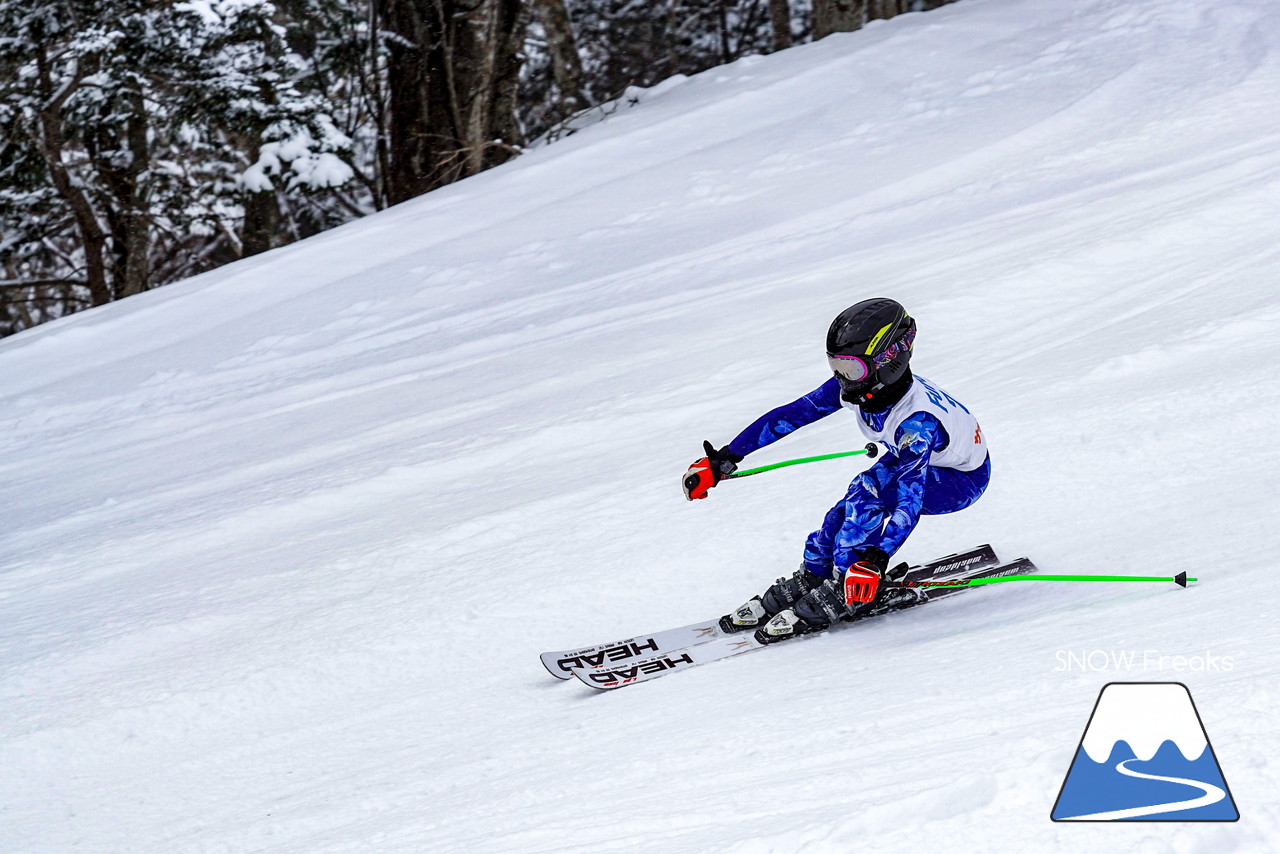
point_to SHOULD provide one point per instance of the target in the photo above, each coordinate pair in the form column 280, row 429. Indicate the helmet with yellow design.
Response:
column 869, row 347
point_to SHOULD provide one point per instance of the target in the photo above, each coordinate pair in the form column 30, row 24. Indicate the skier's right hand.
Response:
column 708, row 471
column 862, row 580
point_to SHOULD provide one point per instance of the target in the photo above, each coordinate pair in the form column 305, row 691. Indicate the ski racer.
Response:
column 937, row 463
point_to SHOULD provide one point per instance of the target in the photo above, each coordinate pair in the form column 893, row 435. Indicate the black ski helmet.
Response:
column 869, row 347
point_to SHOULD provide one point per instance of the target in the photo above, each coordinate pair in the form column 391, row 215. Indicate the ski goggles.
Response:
column 857, row 369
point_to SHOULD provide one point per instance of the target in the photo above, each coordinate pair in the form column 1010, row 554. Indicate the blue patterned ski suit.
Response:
column 884, row 503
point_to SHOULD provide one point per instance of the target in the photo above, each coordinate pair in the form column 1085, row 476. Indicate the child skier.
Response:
column 937, row 463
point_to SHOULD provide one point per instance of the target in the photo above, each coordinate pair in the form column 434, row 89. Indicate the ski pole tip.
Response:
column 1180, row 579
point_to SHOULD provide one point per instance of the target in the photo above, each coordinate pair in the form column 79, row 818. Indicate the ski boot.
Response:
column 783, row 594
column 824, row 605
column 816, row 611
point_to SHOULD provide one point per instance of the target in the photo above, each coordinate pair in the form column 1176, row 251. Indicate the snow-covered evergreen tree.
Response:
column 145, row 141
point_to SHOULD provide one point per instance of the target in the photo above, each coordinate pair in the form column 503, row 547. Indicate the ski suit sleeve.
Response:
column 788, row 418
column 915, row 439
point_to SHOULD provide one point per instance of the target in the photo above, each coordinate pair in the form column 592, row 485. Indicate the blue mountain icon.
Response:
column 1145, row 756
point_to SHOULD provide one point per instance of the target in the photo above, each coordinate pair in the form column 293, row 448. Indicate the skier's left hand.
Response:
column 862, row 581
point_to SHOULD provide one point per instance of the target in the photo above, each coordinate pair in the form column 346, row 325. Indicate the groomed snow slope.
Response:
column 281, row 544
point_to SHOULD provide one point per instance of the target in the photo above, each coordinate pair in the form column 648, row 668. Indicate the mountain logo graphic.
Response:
column 1144, row 756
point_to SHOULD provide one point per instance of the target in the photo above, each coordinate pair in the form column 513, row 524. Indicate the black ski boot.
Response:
column 816, row 611
column 824, row 605
column 783, row 594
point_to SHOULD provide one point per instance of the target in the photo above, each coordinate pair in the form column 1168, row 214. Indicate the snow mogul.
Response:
column 937, row 463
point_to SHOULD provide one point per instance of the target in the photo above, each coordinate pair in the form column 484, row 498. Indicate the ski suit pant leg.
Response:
column 858, row 520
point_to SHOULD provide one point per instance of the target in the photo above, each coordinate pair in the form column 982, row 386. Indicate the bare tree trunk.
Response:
column 566, row 63
column 407, row 90
column 780, row 20
column 261, row 219
column 131, row 235
column 473, row 69
column 24, row 314
column 93, row 239
column 494, row 130
column 373, row 75
column 451, row 87
column 878, row 10
column 837, row 16
column 506, row 134
column 722, row 24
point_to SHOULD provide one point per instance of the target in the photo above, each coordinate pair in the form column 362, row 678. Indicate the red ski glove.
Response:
column 862, row 581
column 708, row 471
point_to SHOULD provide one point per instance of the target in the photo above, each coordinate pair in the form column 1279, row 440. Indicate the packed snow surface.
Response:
column 281, row 544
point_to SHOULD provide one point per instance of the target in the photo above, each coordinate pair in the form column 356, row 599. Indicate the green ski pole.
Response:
column 1180, row 579
column 871, row 450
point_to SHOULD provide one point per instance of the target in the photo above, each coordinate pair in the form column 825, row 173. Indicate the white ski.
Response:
column 560, row 664
column 563, row 662
column 615, row 676
column 606, row 677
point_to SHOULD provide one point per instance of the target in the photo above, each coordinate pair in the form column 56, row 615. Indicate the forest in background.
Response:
column 142, row 142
